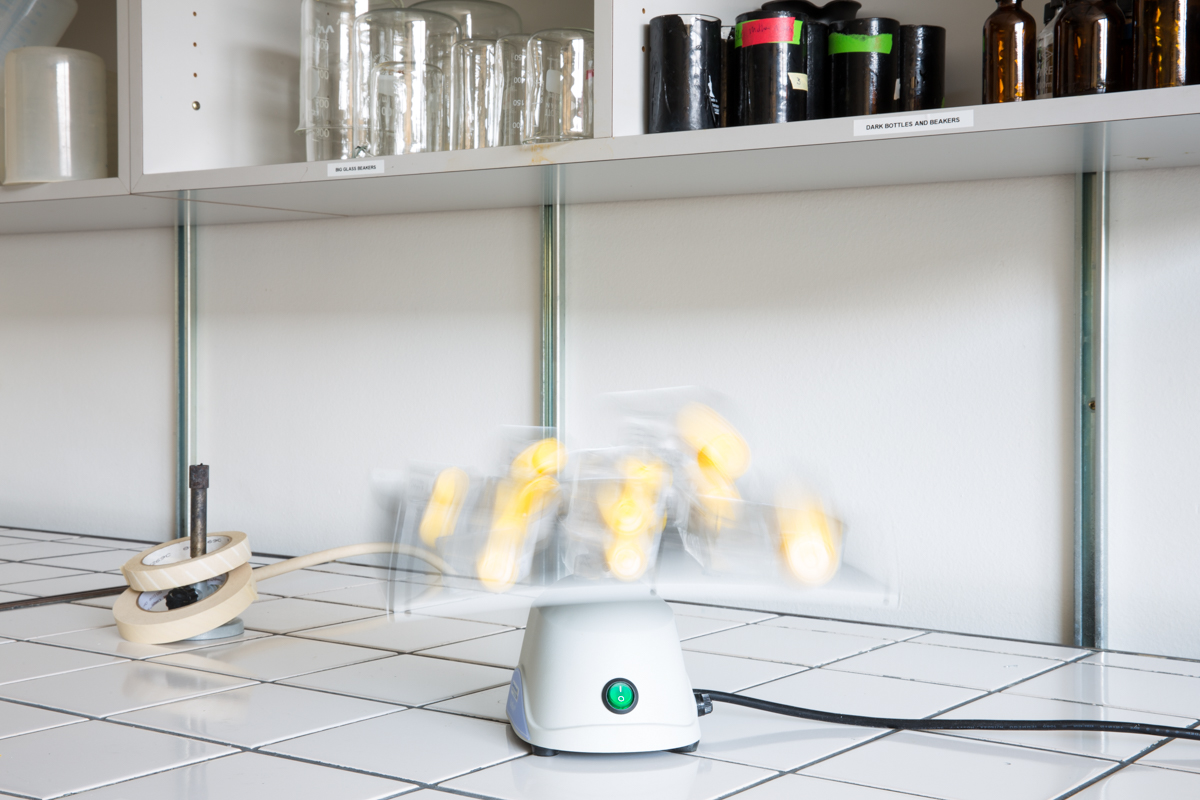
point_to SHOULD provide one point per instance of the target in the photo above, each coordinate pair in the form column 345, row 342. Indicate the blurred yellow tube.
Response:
column 718, row 444
column 811, row 544
column 519, row 499
column 445, row 503
column 629, row 509
column 546, row 457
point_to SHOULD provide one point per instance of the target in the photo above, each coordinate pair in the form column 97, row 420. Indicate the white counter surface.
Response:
column 325, row 696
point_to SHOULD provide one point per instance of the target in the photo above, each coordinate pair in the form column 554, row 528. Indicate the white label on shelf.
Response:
column 351, row 169
column 916, row 123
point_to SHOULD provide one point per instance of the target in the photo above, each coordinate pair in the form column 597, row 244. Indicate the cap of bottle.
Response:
column 1051, row 9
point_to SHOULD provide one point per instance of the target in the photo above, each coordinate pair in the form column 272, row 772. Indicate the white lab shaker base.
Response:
column 571, row 653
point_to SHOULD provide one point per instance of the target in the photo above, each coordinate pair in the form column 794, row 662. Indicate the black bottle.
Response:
column 816, row 36
column 863, row 65
column 685, row 73
column 773, row 56
column 922, row 68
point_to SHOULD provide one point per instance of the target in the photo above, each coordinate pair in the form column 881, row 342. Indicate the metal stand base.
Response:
column 235, row 627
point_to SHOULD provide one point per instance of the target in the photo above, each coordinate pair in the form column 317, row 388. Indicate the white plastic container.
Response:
column 55, row 122
column 30, row 23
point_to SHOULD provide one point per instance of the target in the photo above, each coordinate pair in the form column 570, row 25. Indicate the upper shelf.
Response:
column 1133, row 130
column 221, row 156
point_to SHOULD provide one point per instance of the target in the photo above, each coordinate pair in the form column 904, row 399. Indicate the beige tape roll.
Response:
column 169, row 565
column 161, row 627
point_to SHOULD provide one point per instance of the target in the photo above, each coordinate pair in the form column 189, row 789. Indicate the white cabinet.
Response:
column 208, row 93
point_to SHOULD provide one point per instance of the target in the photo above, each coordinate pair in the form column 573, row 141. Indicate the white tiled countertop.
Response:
column 325, row 696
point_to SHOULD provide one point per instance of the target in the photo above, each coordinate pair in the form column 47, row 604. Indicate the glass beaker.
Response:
column 479, row 19
column 399, row 36
column 476, row 105
column 510, row 88
column 559, row 86
column 406, row 103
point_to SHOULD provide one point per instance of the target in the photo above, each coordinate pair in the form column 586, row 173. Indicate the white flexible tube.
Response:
column 238, row 592
column 349, row 551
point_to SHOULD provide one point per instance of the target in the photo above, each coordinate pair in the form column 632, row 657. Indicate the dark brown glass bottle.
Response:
column 1009, row 54
column 1087, row 48
column 1166, row 30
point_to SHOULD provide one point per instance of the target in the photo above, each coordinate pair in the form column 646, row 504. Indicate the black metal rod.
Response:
column 198, row 483
column 29, row 602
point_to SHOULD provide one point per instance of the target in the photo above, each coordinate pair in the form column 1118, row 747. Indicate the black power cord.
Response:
column 705, row 699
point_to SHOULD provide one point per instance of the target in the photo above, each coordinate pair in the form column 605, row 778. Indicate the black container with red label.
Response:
column 771, row 51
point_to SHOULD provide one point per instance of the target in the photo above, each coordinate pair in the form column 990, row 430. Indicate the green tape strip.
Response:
column 859, row 43
column 797, row 32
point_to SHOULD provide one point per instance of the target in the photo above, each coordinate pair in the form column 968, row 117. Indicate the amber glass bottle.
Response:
column 1009, row 54
column 1087, row 48
column 1166, row 30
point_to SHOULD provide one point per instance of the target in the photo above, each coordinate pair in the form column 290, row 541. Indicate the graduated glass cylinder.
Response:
column 399, row 36
column 476, row 102
column 559, row 85
column 406, row 103
column 326, row 73
column 510, row 88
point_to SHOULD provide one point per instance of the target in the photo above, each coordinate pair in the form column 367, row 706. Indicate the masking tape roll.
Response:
column 161, row 627
column 169, row 565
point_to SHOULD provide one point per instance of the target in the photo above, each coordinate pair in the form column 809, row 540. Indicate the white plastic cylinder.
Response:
column 54, row 126
column 30, row 23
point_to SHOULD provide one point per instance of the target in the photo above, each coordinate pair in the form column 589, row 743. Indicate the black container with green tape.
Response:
column 772, row 54
column 863, row 59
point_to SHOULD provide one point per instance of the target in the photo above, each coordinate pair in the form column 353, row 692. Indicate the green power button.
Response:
column 620, row 696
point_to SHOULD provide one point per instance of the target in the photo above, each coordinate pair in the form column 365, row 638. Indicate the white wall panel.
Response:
column 334, row 348
column 1154, row 427
column 912, row 347
column 87, row 388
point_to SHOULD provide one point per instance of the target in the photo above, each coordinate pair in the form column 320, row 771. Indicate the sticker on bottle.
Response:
column 554, row 80
column 859, row 43
column 353, row 169
column 799, row 81
column 773, row 30
column 915, row 123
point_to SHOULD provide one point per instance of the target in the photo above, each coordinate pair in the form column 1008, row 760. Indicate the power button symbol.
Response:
column 619, row 696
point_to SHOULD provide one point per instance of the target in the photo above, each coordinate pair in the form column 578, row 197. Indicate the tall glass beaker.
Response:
column 406, row 104
column 560, row 66
column 476, row 103
column 398, row 36
column 510, row 88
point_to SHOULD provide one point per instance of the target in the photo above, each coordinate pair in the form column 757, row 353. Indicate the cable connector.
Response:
column 703, row 704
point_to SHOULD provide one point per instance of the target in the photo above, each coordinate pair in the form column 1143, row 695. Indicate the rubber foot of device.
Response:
column 691, row 748
column 544, row 752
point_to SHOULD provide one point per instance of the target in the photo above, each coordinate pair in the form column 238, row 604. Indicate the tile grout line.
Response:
column 887, row 733
column 1121, row 765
